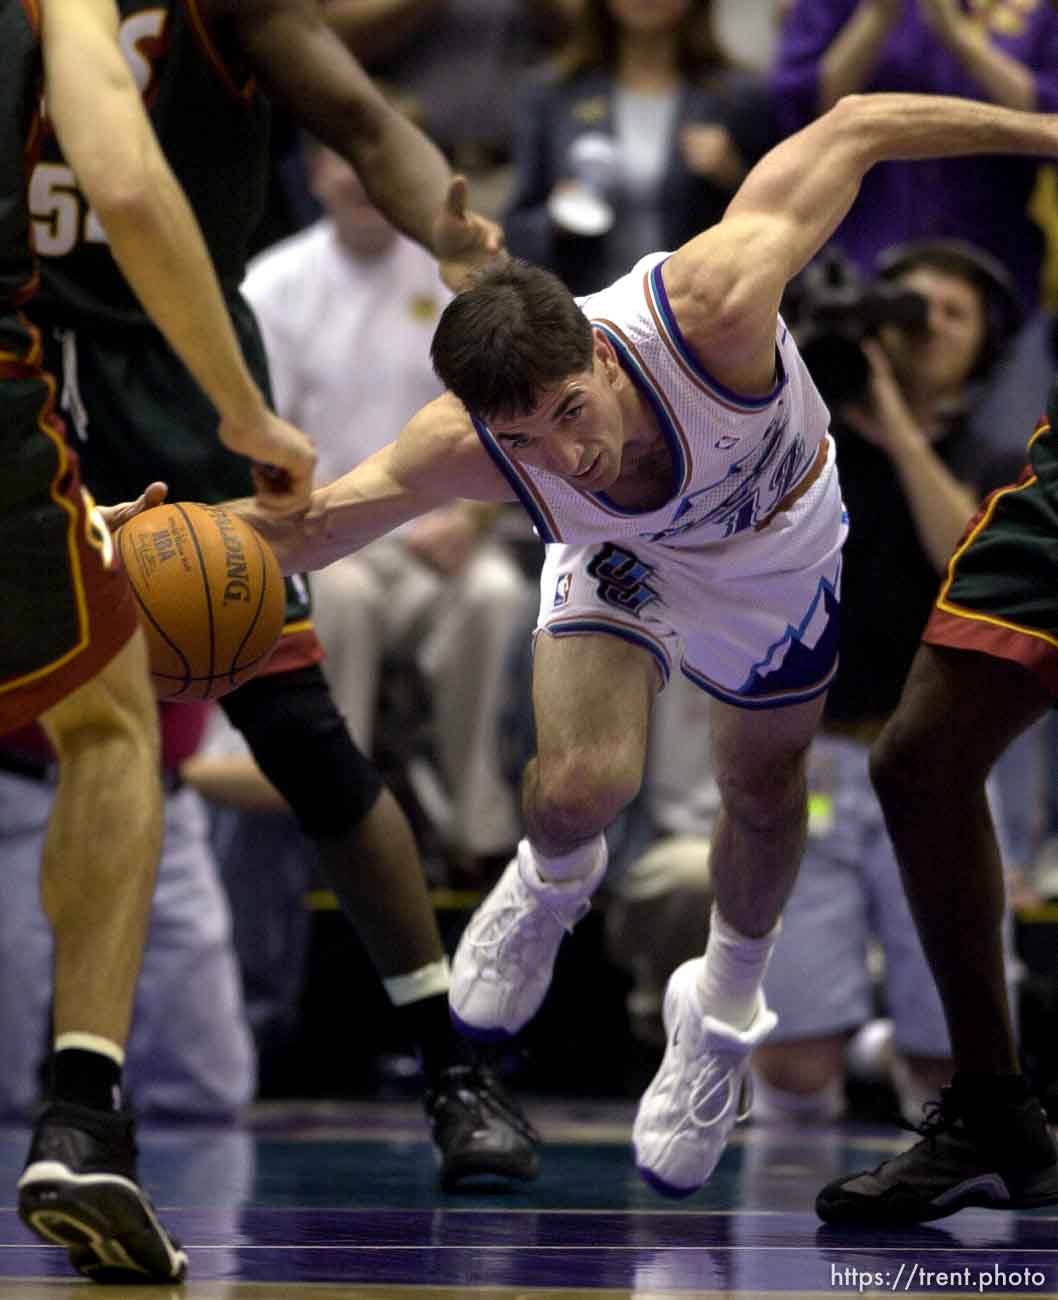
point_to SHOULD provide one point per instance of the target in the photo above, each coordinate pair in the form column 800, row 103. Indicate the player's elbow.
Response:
column 125, row 197
column 127, row 207
column 357, row 119
column 849, row 127
column 845, row 114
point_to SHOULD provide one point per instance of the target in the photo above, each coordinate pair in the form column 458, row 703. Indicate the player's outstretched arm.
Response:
column 304, row 65
column 436, row 458
column 107, row 138
column 729, row 279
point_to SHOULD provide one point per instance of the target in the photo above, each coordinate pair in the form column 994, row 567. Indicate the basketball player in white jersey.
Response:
column 673, row 453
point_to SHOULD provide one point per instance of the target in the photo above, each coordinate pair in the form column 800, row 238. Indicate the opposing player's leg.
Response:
column 139, row 428
column 714, row 1010
column 369, row 857
column 989, row 1143
column 592, row 695
column 80, row 1187
column 105, row 827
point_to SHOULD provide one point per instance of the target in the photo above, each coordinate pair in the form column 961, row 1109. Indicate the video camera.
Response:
column 832, row 308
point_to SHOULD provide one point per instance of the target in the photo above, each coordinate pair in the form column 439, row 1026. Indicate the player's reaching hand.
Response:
column 463, row 240
column 284, row 461
column 114, row 516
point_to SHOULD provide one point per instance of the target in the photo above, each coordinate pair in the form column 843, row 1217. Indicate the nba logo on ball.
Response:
column 210, row 597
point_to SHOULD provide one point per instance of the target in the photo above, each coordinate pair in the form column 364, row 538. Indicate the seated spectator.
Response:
column 633, row 140
column 996, row 50
column 911, row 479
column 190, row 1054
column 347, row 309
column 251, row 822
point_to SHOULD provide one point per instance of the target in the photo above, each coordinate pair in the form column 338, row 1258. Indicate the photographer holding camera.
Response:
column 897, row 360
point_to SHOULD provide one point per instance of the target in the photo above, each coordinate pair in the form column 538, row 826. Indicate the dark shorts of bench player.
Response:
column 66, row 604
column 1000, row 594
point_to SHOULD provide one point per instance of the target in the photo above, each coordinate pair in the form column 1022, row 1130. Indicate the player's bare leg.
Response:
column 759, row 763
column 377, row 875
column 592, row 696
column 714, row 1010
column 79, row 1187
column 385, row 898
column 988, row 1142
column 103, row 843
column 958, row 713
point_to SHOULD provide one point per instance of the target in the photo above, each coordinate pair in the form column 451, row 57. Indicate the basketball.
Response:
column 210, row 596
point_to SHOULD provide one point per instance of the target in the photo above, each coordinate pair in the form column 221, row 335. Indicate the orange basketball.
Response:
column 210, row 597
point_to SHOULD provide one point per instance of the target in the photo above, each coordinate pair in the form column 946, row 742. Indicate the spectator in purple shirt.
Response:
column 1005, row 51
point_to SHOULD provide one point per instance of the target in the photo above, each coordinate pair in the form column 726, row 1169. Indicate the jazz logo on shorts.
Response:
column 622, row 579
column 562, row 589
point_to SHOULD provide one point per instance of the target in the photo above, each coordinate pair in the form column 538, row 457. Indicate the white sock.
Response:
column 576, row 865
column 91, row 1043
column 733, row 970
column 773, row 1105
column 418, row 984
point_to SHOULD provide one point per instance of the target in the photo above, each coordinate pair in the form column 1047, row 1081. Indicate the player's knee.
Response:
column 801, row 1065
column 302, row 744
column 900, row 767
column 765, row 797
column 583, row 792
column 774, row 1103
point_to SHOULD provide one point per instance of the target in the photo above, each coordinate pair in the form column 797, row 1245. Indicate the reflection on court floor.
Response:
column 339, row 1202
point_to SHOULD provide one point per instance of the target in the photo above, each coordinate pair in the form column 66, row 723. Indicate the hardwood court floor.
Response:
column 339, row 1202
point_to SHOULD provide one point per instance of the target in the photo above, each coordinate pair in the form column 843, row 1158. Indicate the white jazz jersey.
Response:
column 735, row 457
column 742, row 597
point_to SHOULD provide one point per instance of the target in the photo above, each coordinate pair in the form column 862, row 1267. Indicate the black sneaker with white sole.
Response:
column 972, row 1153
column 79, row 1190
column 478, row 1129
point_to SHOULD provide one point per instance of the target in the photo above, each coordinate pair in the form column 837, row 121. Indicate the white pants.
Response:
column 189, row 1053
column 849, row 894
column 459, row 630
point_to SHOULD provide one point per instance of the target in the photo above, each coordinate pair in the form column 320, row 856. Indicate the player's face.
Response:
column 942, row 361
column 575, row 431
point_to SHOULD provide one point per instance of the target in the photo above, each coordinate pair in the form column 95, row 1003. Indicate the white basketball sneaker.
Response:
column 700, row 1091
column 502, row 966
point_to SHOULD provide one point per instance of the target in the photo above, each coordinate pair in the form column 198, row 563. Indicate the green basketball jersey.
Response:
column 213, row 127
column 19, row 98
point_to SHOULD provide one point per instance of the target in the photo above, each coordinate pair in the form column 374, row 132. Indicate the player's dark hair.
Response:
column 515, row 332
